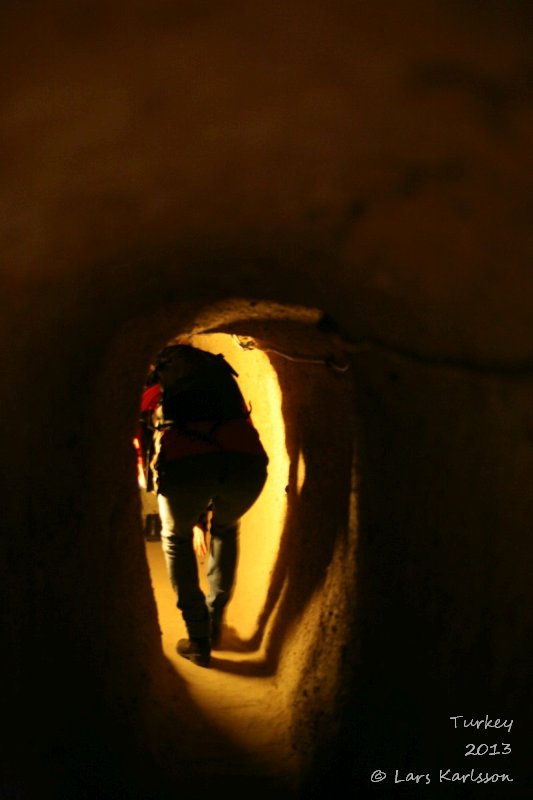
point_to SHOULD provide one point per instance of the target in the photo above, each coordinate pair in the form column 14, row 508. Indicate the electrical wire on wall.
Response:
column 247, row 343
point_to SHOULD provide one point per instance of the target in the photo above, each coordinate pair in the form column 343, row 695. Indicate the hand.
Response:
column 198, row 541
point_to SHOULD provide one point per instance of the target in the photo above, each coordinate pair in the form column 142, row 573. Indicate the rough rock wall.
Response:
column 444, row 601
column 373, row 162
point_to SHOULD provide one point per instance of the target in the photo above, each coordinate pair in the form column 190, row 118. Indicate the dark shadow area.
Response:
column 427, row 590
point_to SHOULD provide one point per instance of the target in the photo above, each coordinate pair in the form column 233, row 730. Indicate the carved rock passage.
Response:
column 215, row 168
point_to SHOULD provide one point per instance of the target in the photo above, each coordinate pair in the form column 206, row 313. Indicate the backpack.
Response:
column 204, row 389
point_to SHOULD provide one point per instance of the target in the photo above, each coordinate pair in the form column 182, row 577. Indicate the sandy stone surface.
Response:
column 248, row 709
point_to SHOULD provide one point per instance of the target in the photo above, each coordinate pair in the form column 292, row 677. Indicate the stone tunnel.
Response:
column 345, row 188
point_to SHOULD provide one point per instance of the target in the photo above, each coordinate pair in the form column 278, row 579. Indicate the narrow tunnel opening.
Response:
column 272, row 688
column 262, row 525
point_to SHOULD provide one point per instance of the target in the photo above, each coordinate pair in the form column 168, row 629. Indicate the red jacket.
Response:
column 234, row 435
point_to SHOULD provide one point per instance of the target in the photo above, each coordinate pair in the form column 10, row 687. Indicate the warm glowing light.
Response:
column 140, row 471
column 300, row 472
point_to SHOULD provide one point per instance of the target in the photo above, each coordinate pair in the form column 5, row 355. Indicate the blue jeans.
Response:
column 234, row 481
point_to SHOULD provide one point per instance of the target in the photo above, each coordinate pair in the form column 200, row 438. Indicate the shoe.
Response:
column 196, row 650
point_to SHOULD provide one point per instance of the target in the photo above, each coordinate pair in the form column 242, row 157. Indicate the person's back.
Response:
column 195, row 408
column 198, row 385
column 206, row 452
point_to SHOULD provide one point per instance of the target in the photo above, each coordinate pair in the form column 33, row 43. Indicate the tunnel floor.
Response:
column 250, row 711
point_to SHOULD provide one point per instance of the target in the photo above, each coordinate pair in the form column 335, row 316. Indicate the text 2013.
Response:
column 488, row 749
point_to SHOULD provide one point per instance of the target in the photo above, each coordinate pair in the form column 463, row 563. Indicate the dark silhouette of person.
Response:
column 206, row 462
